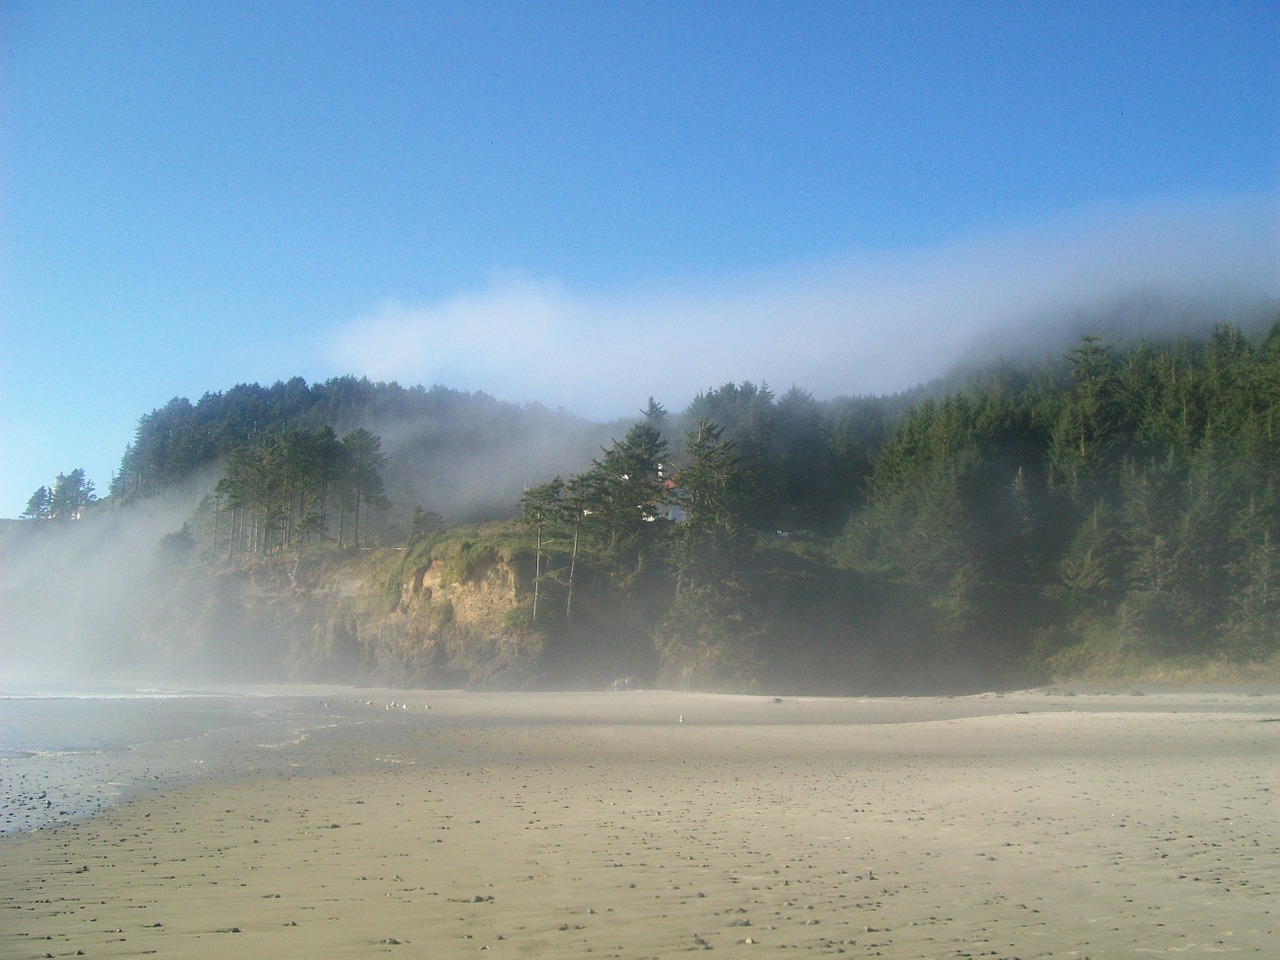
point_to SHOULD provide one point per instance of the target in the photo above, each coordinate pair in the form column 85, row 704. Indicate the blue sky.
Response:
column 589, row 203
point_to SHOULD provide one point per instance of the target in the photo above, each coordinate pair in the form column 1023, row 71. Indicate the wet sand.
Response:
column 1027, row 825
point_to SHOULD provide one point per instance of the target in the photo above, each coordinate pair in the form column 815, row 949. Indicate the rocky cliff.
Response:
column 324, row 619
column 446, row 630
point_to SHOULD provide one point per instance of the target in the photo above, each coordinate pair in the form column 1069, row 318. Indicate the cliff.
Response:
column 453, row 628
column 361, row 618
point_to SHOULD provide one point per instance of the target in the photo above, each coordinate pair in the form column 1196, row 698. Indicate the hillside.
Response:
column 1113, row 513
column 465, row 456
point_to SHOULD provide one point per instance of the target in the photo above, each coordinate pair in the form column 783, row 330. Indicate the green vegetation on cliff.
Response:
column 1111, row 513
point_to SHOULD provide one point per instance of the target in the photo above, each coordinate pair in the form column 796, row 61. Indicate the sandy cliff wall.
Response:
column 329, row 620
column 453, row 632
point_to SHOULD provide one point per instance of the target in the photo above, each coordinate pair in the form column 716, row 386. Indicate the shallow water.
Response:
column 59, row 723
column 70, row 752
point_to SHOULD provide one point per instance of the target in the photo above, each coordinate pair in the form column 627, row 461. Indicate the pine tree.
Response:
column 38, row 507
column 709, row 490
column 70, row 494
column 540, row 509
column 363, row 462
column 626, row 500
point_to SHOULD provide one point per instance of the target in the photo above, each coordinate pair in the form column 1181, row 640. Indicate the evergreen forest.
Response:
column 1113, row 512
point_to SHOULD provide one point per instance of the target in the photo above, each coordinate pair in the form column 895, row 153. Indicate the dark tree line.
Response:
column 173, row 442
column 465, row 454
column 1112, row 506
column 803, row 461
column 292, row 486
column 1125, row 500
column 668, row 535
column 1113, row 503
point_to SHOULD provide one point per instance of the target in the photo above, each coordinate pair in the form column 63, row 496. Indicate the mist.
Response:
column 855, row 323
column 98, row 599
column 72, row 594
column 474, row 463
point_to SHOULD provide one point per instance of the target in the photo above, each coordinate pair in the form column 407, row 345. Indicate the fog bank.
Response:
column 855, row 323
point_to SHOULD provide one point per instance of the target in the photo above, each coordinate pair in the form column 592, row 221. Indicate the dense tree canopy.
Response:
column 1129, row 495
column 1112, row 506
column 294, row 485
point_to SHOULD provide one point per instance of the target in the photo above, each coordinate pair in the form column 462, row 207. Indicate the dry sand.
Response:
column 1029, row 825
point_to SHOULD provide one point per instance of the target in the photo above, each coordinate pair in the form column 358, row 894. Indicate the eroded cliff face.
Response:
column 454, row 633
column 276, row 620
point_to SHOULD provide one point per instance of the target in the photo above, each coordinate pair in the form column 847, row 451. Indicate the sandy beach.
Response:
column 649, row 824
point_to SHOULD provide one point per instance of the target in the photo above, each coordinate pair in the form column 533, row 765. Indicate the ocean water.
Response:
column 68, row 751
column 73, row 750
column 51, row 721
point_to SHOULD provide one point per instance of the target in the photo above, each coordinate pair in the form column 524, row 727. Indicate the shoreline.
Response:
column 256, row 722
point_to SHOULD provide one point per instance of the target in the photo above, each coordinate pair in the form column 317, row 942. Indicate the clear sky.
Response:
column 588, row 203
